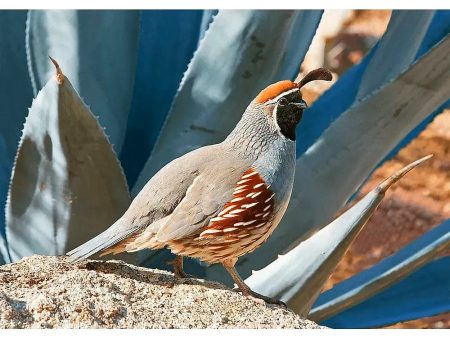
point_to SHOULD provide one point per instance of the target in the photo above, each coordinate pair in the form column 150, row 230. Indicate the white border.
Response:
column 225, row 4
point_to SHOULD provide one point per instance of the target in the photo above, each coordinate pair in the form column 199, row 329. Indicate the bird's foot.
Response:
column 181, row 274
column 178, row 269
column 261, row 299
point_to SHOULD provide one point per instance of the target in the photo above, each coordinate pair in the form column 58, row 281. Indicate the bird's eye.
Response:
column 282, row 101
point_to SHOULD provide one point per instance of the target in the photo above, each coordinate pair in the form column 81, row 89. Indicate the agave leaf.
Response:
column 67, row 184
column 334, row 167
column 438, row 28
column 4, row 254
column 389, row 271
column 207, row 17
column 99, row 53
column 159, row 73
column 380, row 70
column 301, row 273
column 241, row 53
column 424, row 293
column 16, row 95
column 343, row 94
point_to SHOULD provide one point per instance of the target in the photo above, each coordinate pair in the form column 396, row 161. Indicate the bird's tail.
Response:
column 111, row 236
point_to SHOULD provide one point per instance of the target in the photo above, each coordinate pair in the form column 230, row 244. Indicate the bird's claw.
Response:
column 261, row 299
column 182, row 275
column 178, row 269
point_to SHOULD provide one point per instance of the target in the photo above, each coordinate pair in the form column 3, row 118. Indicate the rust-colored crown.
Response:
column 276, row 89
column 272, row 91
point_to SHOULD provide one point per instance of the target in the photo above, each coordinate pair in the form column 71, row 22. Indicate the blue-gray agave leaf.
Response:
column 67, row 185
column 158, row 76
column 424, row 293
column 99, row 52
column 343, row 94
column 4, row 255
column 16, row 95
column 389, row 271
column 241, row 53
column 301, row 273
column 405, row 33
column 334, row 167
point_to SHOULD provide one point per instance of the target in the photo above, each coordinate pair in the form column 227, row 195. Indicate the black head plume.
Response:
column 316, row 74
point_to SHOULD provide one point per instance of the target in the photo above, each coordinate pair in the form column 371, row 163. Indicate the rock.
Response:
column 49, row 292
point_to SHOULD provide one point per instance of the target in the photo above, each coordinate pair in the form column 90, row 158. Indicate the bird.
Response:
column 221, row 201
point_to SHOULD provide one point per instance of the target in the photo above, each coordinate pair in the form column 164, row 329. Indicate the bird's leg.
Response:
column 177, row 264
column 246, row 291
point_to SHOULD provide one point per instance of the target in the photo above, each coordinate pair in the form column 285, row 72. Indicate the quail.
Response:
column 221, row 201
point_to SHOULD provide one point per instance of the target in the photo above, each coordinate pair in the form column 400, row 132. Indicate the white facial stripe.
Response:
column 281, row 95
column 274, row 117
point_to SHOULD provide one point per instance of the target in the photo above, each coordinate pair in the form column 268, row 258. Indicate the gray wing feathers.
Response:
column 113, row 235
column 189, row 216
column 204, row 199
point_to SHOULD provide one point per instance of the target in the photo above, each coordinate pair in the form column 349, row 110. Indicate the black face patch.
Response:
column 289, row 113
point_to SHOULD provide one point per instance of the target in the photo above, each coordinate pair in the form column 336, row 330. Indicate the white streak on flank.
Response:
column 249, row 175
column 230, row 215
column 244, row 235
column 210, row 231
column 266, row 208
column 249, row 222
column 244, row 223
column 247, row 206
column 239, row 190
column 243, row 181
column 237, row 199
column 258, row 185
column 250, row 195
column 258, row 215
column 230, row 229
column 224, row 211
column 216, row 219
column 260, row 225
column 267, row 200
column 256, row 194
column 266, row 214
column 236, row 211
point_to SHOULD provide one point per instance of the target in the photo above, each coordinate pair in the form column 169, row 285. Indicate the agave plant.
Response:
column 161, row 83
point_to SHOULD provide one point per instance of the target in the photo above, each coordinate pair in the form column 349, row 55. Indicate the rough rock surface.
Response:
column 48, row 292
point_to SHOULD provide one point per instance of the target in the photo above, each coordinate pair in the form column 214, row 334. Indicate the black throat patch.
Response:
column 288, row 114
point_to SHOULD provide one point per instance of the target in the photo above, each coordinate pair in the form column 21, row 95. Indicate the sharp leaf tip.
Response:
column 386, row 184
column 59, row 73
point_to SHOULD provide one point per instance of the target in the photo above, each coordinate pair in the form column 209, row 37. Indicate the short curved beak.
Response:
column 302, row 104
